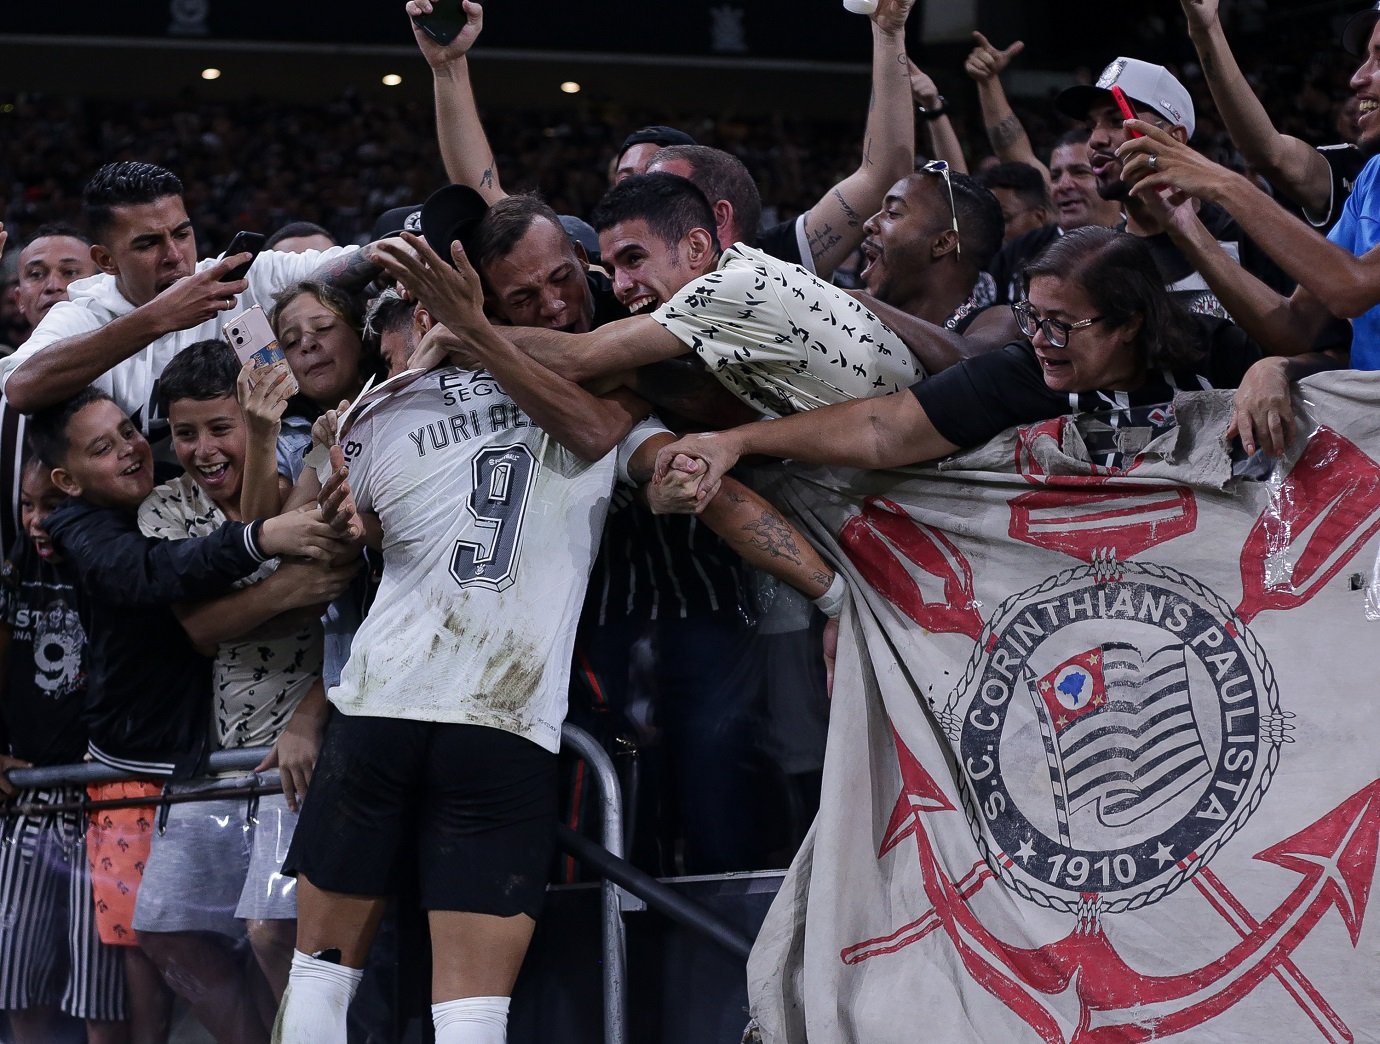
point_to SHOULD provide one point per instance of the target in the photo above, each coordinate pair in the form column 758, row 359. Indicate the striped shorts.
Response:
column 50, row 952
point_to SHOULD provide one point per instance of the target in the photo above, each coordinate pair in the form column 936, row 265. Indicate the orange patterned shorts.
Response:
column 117, row 846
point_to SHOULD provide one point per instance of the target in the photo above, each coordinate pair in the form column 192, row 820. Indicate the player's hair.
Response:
column 295, row 229
column 203, row 370
column 47, row 428
column 123, row 184
column 670, row 205
column 389, row 311
column 58, row 228
column 1021, row 178
column 980, row 224
column 504, row 224
column 719, row 175
column 1117, row 272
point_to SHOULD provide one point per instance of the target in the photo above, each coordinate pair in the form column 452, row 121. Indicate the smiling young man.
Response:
column 118, row 330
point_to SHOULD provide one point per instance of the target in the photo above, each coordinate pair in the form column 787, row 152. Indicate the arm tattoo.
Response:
column 822, row 239
column 486, row 180
column 1006, row 131
column 772, row 535
column 823, row 579
column 350, row 272
column 853, row 219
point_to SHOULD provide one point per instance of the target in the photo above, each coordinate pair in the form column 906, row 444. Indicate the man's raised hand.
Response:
column 986, row 61
column 201, row 296
column 440, row 55
column 1158, row 160
column 452, row 293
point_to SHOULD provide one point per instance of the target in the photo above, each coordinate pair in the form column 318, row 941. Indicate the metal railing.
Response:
column 608, row 860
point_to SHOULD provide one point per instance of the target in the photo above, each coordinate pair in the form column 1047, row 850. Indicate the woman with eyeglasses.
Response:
column 1101, row 334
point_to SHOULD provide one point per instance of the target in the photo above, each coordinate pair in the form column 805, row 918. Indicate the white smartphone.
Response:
column 250, row 334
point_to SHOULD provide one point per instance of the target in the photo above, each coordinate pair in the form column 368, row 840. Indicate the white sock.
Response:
column 471, row 1020
column 314, row 1004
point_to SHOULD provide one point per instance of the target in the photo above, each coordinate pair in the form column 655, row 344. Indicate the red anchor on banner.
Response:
column 1335, row 857
column 872, row 540
column 1325, row 511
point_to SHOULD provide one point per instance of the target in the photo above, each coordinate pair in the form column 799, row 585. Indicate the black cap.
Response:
column 656, row 135
column 449, row 214
column 1356, row 35
column 581, row 231
column 399, row 219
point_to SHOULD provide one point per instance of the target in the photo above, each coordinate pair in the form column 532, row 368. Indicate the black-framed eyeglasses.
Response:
column 942, row 169
column 1056, row 330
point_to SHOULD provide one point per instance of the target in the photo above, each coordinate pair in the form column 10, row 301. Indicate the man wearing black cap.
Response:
column 1160, row 99
column 640, row 146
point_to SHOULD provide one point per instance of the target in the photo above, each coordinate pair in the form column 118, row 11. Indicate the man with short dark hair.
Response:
column 298, row 236
column 119, row 329
column 1023, row 195
column 55, row 257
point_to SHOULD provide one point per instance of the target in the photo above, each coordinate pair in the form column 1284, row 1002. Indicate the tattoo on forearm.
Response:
column 823, row 239
column 350, row 272
column 771, row 534
column 486, row 180
column 853, row 219
column 823, row 579
column 1006, row 131
column 733, row 496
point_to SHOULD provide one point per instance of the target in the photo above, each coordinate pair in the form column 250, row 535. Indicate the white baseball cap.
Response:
column 1153, row 86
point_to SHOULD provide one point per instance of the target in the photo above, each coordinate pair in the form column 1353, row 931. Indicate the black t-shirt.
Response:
column 1184, row 283
column 1344, row 163
column 46, row 675
column 606, row 306
column 782, row 242
column 983, row 396
column 1013, row 256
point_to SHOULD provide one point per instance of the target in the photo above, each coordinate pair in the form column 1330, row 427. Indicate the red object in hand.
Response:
column 1124, row 105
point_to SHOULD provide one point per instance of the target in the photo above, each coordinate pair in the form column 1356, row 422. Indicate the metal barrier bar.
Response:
column 614, row 931
column 611, row 815
column 659, row 896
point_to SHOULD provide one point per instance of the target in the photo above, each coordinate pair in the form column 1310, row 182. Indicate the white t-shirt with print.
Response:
column 782, row 339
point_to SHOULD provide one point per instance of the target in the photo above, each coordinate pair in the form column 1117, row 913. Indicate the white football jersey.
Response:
column 490, row 529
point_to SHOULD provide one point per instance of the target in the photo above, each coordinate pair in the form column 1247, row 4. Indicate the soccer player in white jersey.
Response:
column 452, row 700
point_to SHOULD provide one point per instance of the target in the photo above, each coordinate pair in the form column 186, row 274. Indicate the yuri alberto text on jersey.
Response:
column 464, row 389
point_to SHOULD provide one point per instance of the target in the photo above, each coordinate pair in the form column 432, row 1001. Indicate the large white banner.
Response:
column 1103, row 760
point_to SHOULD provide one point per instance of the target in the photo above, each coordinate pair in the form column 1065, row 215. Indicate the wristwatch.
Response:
column 933, row 114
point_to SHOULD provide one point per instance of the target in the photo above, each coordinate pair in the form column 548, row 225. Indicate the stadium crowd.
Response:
column 400, row 488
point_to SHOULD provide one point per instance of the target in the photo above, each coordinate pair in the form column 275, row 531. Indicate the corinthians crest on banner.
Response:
column 1103, row 759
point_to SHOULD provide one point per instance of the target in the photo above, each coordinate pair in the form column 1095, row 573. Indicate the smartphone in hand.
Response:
column 251, row 241
column 445, row 21
column 1124, row 104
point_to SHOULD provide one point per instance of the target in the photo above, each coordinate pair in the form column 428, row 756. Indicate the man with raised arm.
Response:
column 1318, row 178
column 819, row 240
